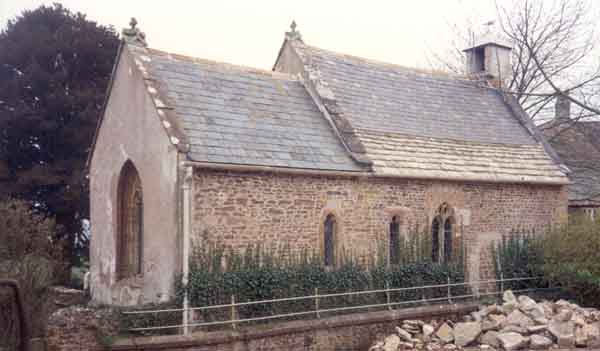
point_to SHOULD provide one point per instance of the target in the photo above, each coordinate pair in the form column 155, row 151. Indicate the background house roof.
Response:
column 238, row 115
column 578, row 144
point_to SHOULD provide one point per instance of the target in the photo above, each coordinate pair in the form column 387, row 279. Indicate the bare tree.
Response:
column 554, row 53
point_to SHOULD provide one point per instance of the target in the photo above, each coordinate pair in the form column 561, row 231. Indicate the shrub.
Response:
column 29, row 255
column 572, row 259
column 518, row 255
column 256, row 273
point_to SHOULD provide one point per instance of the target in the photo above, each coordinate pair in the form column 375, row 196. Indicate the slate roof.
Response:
column 414, row 123
column 239, row 115
column 389, row 120
column 404, row 155
column 389, row 98
column 578, row 145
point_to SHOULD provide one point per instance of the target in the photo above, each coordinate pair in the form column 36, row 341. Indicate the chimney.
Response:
column 134, row 35
column 562, row 108
column 489, row 58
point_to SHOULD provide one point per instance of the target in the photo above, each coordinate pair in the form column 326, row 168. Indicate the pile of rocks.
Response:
column 519, row 323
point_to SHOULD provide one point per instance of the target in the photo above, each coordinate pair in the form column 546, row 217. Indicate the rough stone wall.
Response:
column 80, row 328
column 345, row 332
column 131, row 130
column 240, row 208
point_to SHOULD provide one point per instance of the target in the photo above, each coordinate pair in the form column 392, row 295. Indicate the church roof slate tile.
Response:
column 239, row 115
column 408, row 123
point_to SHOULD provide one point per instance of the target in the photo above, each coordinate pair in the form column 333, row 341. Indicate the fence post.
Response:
column 233, row 313
column 317, row 302
column 449, row 291
column 501, row 283
column 387, row 293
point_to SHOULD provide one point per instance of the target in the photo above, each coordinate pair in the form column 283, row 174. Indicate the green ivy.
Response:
column 256, row 273
column 520, row 254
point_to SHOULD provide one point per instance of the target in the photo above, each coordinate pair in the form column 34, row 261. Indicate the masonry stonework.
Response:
column 237, row 209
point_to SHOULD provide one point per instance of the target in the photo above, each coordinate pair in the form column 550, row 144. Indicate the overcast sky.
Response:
column 251, row 32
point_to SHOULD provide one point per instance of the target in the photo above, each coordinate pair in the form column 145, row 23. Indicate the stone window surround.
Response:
column 445, row 215
column 129, row 208
column 337, row 230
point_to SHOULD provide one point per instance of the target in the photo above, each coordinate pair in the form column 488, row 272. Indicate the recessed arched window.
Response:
column 329, row 240
column 435, row 240
column 394, row 241
column 130, row 223
column 448, row 240
column 442, row 234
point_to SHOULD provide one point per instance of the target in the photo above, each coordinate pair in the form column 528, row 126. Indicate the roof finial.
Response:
column 133, row 23
column 133, row 35
column 293, row 34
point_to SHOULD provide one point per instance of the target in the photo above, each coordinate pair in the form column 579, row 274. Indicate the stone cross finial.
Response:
column 133, row 35
column 133, row 23
column 293, row 34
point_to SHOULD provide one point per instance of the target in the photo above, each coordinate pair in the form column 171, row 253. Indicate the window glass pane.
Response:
column 394, row 241
column 329, row 238
column 435, row 240
column 448, row 240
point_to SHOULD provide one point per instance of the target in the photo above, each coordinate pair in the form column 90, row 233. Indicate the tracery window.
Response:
column 130, row 223
column 394, row 254
column 329, row 240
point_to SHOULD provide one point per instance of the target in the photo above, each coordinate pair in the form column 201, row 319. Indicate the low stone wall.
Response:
column 347, row 332
column 80, row 328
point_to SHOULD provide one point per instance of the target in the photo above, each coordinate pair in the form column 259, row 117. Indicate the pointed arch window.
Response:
column 442, row 234
column 329, row 240
column 448, row 240
column 394, row 254
column 130, row 223
column 435, row 240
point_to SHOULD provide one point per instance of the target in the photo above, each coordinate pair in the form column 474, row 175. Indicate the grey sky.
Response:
column 250, row 32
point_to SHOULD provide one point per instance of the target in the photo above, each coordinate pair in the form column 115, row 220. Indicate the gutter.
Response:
column 352, row 174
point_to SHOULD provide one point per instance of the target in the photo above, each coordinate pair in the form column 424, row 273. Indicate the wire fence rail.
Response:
column 473, row 287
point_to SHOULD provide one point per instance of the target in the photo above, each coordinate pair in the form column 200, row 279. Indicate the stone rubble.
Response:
column 519, row 323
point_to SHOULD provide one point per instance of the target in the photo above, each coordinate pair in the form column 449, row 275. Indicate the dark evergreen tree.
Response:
column 55, row 66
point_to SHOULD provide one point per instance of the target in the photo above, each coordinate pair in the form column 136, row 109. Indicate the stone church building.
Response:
column 326, row 151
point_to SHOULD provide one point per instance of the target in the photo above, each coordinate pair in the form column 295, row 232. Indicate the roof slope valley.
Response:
column 411, row 123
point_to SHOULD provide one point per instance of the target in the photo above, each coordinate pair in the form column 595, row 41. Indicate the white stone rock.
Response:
column 517, row 317
column 526, row 303
column 564, row 332
column 510, row 306
column 377, row 346
column 466, row 333
column 490, row 338
column 563, row 315
column 512, row 341
column 391, row 343
column 593, row 333
column 539, row 342
column 428, row 330
column 403, row 334
column 508, row 296
column 445, row 333
column 535, row 312
column 536, row 329
column 581, row 337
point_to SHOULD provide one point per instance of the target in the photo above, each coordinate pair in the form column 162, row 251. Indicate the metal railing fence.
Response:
column 317, row 311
